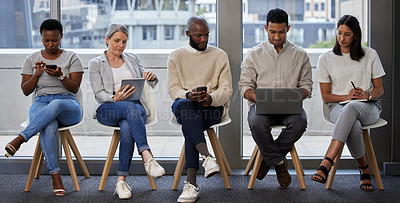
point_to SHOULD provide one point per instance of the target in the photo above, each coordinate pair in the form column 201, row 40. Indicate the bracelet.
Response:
column 370, row 95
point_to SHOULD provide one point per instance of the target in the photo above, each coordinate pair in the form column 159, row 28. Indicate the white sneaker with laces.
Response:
column 123, row 190
column 190, row 193
column 210, row 166
column 153, row 168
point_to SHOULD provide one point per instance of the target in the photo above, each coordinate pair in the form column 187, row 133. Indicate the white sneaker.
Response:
column 123, row 190
column 153, row 168
column 210, row 166
column 190, row 193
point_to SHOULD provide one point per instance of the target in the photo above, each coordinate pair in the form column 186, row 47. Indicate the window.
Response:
column 84, row 32
column 149, row 32
column 184, row 5
column 169, row 32
column 182, row 32
column 168, row 5
column 121, row 5
column 260, row 35
column 145, row 5
column 308, row 30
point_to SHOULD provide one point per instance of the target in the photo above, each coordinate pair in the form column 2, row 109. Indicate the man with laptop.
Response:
column 275, row 78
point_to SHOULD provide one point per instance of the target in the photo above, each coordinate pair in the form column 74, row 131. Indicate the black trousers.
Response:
column 273, row 151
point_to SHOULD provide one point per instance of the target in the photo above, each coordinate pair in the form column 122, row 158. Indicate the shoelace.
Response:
column 123, row 187
column 190, row 187
column 206, row 161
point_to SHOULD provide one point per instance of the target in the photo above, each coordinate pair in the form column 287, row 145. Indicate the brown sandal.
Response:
column 58, row 187
column 14, row 145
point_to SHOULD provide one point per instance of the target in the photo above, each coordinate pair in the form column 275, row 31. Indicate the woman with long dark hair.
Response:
column 337, row 70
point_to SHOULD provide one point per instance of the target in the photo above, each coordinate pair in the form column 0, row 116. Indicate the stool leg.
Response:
column 35, row 161
column 39, row 166
column 110, row 156
column 333, row 169
column 64, row 141
column 78, row 156
column 372, row 159
column 256, row 168
column 298, row 167
column 151, row 179
column 179, row 168
column 225, row 160
column 251, row 160
column 218, row 155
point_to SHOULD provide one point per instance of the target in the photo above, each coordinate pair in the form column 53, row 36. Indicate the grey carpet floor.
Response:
column 345, row 189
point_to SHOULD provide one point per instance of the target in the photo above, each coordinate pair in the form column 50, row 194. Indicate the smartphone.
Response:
column 54, row 67
column 199, row 89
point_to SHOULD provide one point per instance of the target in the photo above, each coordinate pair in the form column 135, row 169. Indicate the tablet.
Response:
column 138, row 83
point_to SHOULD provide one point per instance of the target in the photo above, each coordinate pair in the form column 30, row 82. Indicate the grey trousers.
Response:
column 349, row 120
column 273, row 151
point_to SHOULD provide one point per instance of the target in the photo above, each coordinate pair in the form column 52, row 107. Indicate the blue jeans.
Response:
column 273, row 151
column 194, row 119
column 130, row 116
column 46, row 115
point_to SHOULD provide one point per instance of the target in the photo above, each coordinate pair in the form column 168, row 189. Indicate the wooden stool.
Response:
column 256, row 157
column 110, row 156
column 369, row 149
column 67, row 141
column 225, row 169
column 148, row 93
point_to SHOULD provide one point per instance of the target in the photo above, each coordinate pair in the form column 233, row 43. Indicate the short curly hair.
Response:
column 277, row 15
column 51, row 24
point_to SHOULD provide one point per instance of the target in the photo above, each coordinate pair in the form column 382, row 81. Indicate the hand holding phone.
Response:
column 53, row 67
column 203, row 88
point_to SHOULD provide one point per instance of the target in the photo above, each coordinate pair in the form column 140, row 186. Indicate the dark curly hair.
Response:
column 277, row 15
column 356, row 51
column 51, row 24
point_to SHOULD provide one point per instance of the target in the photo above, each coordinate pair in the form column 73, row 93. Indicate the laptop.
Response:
column 138, row 83
column 279, row 100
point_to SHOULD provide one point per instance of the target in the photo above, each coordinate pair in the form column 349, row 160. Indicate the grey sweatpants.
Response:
column 349, row 120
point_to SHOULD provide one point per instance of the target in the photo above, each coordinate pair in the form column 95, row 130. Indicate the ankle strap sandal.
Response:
column 317, row 177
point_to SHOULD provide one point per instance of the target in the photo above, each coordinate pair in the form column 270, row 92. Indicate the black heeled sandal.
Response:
column 318, row 178
column 365, row 176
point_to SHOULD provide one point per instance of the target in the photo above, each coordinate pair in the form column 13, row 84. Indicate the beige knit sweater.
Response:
column 189, row 68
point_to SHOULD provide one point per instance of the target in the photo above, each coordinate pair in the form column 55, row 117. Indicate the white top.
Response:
column 119, row 74
column 340, row 70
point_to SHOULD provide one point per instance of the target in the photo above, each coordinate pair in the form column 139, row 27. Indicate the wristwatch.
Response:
column 62, row 77
column 370, row 95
